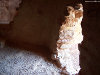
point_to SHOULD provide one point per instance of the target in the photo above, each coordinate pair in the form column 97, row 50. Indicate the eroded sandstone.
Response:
column 70, row 35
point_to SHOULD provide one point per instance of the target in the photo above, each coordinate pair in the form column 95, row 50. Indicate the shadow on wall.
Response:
column 89, row 49
column 36, row 28
column 37, row 24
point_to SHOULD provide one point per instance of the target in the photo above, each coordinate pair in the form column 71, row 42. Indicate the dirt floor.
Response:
column 22, row 62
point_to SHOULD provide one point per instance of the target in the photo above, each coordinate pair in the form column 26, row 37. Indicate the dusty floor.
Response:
column 22, row 62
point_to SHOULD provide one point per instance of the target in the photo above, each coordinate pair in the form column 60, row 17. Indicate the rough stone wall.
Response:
column 8, row 10
column 70, row 35
column 52, row 11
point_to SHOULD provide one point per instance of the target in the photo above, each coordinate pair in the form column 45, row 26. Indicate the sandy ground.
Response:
column 22, row 62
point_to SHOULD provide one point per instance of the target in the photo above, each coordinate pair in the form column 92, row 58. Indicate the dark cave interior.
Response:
column 36, row 24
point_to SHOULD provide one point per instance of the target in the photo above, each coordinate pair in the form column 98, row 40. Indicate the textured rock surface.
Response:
column 45, row 17
column 70, row 35
column 8, row 10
